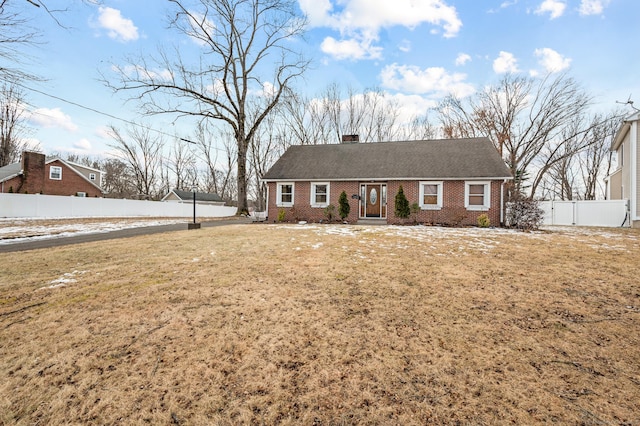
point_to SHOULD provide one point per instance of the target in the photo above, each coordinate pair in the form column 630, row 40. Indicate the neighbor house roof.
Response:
column 430, row 159
column 200, row 196
column 623, row 129
column 9, row 171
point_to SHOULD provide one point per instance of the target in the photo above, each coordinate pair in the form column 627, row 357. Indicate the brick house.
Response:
column 37, row 174
column 453, row 181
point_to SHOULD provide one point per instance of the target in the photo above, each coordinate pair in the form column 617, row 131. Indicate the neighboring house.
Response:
column 624, row 182
column 453, row 181
column 187, row 197
column 37, row 174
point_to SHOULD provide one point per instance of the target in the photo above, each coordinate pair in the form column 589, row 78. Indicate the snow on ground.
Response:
column 443, row 241
column 27, row 229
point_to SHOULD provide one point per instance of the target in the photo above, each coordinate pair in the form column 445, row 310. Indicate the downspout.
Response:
column 502, row 202
column 266, row 204
column 633, row 196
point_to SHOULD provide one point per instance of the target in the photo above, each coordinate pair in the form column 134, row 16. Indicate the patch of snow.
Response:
column 66, row 278
column 31, row 229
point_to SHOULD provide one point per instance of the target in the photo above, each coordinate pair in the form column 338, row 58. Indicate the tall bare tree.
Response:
column 142, row 153
column 528, row 120
column 248, row 60
column 12, row 127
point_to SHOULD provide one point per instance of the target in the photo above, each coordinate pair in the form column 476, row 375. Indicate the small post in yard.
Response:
column 194, row 225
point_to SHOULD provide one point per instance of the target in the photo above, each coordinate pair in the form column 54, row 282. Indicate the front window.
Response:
column 55, row 173
column 285, row 194
column 319, row 194
column 477, row 195
column 430, row 195
column 92, row 176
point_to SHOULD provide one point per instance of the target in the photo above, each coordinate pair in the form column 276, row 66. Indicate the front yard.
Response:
column 313, row 324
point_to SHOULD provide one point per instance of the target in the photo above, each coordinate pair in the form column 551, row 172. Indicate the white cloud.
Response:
column 82, row 145
column 118, row 28
column 411, row 106
column 462, row 59
column 505, row 63
column 52, row 117
column 593, row 7
column 551, row 60
column 554, row 7
column 350, row 49
column 435, row 81
column 360, row 21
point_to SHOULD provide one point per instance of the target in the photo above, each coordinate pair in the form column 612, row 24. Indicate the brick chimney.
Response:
column 32, row 172
column 350, row 138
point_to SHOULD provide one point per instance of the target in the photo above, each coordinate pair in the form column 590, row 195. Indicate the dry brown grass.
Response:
column 265, row 324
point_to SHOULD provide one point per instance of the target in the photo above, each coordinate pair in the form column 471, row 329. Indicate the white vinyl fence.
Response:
column 610, row 213
column 33, row 205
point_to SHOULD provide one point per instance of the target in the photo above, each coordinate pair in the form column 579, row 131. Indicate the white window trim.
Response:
column 51, row 173
column 92, row 176
column 487, row 195
column 423, row 206
column 312, row 200
column 279, row 186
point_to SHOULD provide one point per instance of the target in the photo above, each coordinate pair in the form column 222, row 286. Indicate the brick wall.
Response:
column 11, row 185
column 302, row 200
column 70, row 184
column 452, row 213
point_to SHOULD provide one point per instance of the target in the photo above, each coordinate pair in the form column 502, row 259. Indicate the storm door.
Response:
column 373, row 200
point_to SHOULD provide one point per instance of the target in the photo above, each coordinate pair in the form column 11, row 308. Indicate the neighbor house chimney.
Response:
column 32, row 172
column 350, row 138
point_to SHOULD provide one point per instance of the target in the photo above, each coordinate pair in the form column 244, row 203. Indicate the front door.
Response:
column 373, row 203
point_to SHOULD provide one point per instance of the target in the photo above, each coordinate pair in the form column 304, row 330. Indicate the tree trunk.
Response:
column 243, row 206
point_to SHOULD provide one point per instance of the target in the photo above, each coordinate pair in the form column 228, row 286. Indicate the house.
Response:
column 452, row 181
column 187, row 197
column 37, row 174
column 624, row 182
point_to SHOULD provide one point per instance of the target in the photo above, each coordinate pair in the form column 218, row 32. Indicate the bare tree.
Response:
column 182, row 164
column 240, row 40
column 265, row 149
column 419, row 128
column 595, row 161
column 17, row 33
column 12, row 127
column 142, row 153
column 528, row 121
column 215, row 178
column 118, row 180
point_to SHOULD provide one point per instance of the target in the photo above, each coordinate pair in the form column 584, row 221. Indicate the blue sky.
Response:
column 415, row 50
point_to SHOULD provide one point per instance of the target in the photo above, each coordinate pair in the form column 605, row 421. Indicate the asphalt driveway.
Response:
column 101, row 236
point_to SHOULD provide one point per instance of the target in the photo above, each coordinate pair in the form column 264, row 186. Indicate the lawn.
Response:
column 325, row 325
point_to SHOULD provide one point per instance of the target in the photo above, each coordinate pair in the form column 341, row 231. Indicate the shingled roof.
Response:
column 430, row 159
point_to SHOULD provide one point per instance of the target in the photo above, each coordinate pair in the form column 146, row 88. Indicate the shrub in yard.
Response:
column 11, row 190
column 343, row 206
column 330, row 212
column 402, row 205
column 281, row 215
column 415, row 209
column 483, row 221
column 524, row 214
